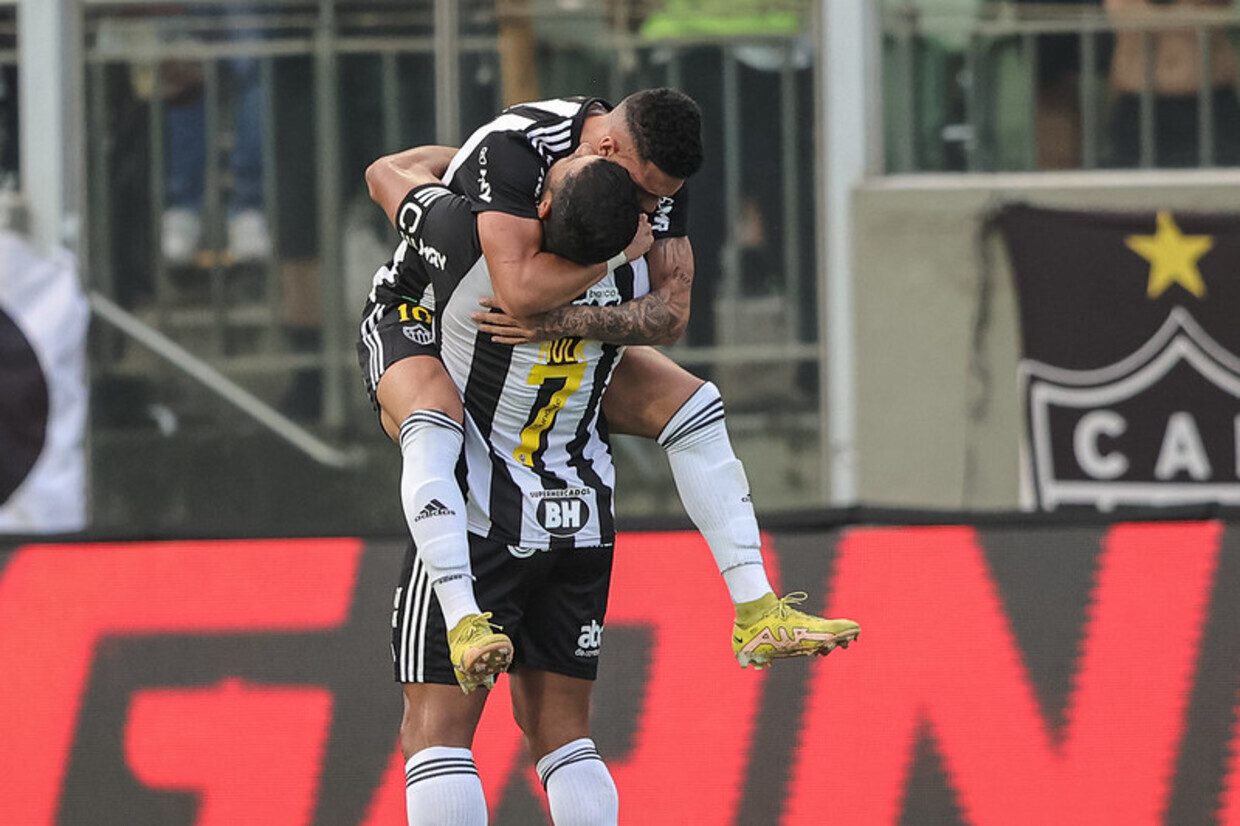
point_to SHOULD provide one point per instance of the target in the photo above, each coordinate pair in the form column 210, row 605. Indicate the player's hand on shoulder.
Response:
column 506, row 329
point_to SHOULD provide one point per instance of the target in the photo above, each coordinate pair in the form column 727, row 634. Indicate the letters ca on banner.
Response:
column 1130, row 363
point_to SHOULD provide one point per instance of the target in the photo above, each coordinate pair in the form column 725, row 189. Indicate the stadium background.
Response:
column 210, row 646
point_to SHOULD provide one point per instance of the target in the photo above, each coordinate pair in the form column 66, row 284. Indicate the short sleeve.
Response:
column 412, row 211
column 503, row 173
column 671, row 216
column 438, row 225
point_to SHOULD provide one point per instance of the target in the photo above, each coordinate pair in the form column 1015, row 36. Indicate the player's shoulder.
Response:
column 671, row 216
column 562, row 108
column 424, row 202
column 428, row 193
column 421, row 198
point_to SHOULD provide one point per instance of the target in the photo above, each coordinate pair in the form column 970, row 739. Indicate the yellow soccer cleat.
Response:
column 478, row 651
column 770, row 628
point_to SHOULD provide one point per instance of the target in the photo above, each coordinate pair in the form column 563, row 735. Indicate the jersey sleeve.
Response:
column 503, row 174
column 411, row 213
column 439, row 226
column 671, row 216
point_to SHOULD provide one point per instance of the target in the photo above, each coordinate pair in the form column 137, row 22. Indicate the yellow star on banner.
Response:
column 1172, row 256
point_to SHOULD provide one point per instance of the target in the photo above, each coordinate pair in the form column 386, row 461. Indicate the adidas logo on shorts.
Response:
column 434, row 508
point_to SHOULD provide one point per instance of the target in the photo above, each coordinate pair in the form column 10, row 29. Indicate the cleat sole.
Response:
column 760, row 661
column 483, row 667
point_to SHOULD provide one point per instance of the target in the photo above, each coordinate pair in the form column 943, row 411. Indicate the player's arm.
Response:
column 391, row 178
column 644, row 320
column 528, row 281
column 659, row 317
column 671, row 259
column 671, row 267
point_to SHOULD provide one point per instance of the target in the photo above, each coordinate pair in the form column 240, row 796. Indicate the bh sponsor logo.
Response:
column 562, row 516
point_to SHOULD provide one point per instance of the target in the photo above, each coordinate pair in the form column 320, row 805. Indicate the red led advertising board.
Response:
column 1005, row 675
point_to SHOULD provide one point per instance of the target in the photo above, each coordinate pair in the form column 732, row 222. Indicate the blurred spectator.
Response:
column 185, row 124
column 185, row 165
column 754, row 231
column 1057, row 119
column 924, row 76
column 1177, row 78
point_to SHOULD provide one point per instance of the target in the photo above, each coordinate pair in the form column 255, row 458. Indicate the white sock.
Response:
column 456, row 599
column 715, row 493
column 430, row 445
column 580, row 791
column 442, row 787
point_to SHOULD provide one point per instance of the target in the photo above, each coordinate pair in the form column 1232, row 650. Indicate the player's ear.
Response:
column 606, row 146
column 544, row 206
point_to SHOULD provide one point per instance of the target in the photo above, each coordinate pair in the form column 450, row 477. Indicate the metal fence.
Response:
column 1004, row 86
column 8, row 97
column 210, row 346
column 212, row 349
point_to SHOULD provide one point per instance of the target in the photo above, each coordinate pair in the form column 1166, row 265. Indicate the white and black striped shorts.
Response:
column 389, row 333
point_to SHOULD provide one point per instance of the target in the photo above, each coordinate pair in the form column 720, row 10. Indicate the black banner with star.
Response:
column 1130, row 363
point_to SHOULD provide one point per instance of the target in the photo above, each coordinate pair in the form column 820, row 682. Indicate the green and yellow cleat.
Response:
column 770, row 629
column 478, row 651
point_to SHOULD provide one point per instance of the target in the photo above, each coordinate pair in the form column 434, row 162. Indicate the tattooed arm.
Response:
column 659, row 317
column 645, row 320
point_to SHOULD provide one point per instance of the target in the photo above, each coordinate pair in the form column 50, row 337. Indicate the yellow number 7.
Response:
column 565, row 364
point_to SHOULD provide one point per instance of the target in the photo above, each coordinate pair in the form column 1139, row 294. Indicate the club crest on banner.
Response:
column 1130, row 364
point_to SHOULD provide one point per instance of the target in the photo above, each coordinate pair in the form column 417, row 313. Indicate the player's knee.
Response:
column 438, row 715
column 418, row 383
column 412, row 738
column 699, row 419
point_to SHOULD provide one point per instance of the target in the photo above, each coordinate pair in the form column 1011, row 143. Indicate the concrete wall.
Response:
column 938, row 417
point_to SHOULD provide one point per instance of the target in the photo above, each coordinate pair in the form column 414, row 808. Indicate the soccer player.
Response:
column 420, row 408
column 655, row 135
column 539, row 471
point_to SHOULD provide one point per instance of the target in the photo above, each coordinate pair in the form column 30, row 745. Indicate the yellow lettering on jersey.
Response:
column 559, row 360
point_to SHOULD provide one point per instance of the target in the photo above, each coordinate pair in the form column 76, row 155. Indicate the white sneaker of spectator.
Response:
column 248, row 239
column 181, row 235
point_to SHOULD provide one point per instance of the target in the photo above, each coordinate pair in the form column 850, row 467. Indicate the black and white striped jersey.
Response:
column 501, row 166
column 402, row 278
column 538, row 461
column 406, row 276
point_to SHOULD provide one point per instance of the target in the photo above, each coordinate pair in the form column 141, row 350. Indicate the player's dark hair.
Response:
column 594, row 213
column 666, row 126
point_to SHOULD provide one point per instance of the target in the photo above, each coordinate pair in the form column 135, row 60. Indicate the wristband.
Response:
column 616, row 261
